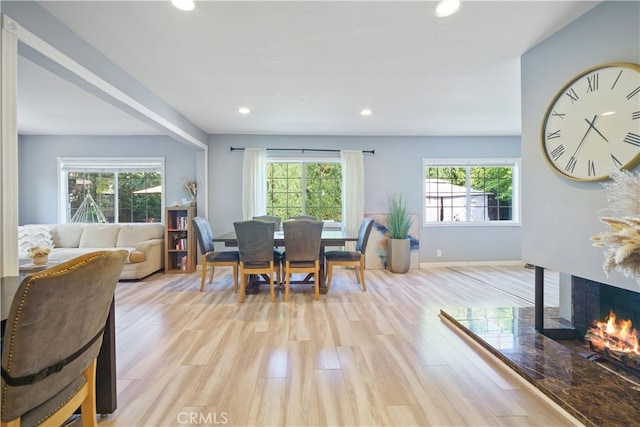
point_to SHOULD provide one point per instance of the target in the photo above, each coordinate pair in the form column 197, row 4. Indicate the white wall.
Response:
column 396, row 165
column 559, row 215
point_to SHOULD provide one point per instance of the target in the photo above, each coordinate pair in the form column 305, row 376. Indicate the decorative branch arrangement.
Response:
column 192, row 188
column 622, row 240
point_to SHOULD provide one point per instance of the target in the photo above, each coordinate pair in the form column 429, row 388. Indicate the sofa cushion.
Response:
column 66, row 235
column 99, row 236
column 65, row 254
column 132, row 234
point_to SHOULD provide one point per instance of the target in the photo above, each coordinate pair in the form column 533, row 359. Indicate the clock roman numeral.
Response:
column 616, row 80
column 633, row 92
column 617, row 163
column 572, row 95
column 635, row 115
column 553, row 135
column 591, row 168
column 571, row 164
column 592, row 81
column 632, row 139
column 556, row 114
column 557, row 152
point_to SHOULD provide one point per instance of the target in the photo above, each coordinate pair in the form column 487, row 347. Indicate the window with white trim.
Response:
column 305, row 187
column 112, row 190
column 477, row 191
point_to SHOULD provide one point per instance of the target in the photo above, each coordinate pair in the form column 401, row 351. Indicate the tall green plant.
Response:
column 399, row 217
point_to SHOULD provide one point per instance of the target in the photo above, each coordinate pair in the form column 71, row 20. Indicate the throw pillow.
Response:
column 33, row 235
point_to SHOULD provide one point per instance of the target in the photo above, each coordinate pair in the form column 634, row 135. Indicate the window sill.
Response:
column 472, row 224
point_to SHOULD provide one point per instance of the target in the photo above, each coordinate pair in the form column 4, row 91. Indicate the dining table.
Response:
column 329, row 238
column 106, row 392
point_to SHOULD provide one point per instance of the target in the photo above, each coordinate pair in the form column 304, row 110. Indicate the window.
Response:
column 478, row 191
column 300, row 187
column 112, row 190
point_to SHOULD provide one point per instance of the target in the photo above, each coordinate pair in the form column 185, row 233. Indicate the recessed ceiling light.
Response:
column 244, row 110
column 183, row 4
column 447, row 7
column 366, row 112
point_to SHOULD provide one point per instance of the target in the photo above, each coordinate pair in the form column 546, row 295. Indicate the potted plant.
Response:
column 399, row 222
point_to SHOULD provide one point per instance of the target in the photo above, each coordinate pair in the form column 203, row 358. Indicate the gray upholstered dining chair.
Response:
column 271, row 218
column 351, row 258
column 255, row 245
column 211, row 258
column 53, row 336
column 302, row 240
column 277, row 252
column 309, row 217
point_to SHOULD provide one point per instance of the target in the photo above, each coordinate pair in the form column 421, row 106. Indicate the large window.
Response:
column 112, row 190
column 305, row 188
column 479, row 191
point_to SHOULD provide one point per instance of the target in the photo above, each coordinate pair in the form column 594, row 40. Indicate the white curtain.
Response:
column 254, row 183
column 352, row 192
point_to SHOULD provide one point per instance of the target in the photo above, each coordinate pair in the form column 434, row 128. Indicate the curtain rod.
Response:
column 325, row 150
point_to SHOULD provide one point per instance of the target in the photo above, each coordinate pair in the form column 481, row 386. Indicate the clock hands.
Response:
column 571, row 164
column 583, row 138
column 591, row 125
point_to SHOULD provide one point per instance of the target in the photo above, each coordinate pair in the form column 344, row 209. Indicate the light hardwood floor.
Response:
column 354, row 358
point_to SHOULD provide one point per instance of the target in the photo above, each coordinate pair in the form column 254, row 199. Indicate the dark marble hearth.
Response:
column 591, row 391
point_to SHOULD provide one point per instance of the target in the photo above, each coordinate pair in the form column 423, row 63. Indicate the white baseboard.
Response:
column 470, row 263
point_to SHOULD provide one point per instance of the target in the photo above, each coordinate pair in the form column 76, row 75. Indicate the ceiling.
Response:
column 302, row 67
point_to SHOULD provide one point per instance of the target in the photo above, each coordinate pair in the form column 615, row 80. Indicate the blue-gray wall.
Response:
column 560, row 216
column 38, row 174
column 396, row 165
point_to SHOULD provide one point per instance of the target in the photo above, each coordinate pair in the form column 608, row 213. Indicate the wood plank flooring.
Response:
column 377, row 358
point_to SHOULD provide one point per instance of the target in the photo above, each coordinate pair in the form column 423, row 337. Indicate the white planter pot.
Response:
column 399, row 255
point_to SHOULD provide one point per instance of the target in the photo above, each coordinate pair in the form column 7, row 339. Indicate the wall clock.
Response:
column 592, row 126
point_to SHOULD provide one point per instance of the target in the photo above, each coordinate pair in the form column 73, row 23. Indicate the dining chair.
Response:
column 351, row 258
column 271, row 218
column 53, row 337
column 211, row 258
column 255, row 245
column 277, row 252
column 309, row 217
column 302, row 240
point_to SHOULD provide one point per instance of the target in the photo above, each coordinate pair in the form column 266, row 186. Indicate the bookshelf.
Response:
column 180, row 240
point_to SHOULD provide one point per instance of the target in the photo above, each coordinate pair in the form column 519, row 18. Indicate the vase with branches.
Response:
column 192, row 189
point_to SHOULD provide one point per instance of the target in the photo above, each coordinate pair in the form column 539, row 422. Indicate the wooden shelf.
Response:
column 180, row 240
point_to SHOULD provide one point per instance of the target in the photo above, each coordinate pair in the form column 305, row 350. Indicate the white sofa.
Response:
column 144, row 241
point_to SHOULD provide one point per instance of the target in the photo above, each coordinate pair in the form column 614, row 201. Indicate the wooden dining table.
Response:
column 329, row 238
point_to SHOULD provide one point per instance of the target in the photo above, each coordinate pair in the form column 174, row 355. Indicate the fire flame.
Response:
column 614, row 335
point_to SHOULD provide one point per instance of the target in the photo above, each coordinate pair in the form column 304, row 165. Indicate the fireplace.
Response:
column 611, row 308
column 537, row 343
column 594, row 301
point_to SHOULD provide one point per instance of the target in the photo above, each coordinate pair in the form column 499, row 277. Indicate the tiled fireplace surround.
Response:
column 593, row 300
column 588, row 390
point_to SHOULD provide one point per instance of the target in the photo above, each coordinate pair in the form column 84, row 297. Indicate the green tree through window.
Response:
column 305, row 188
column 122, row 189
